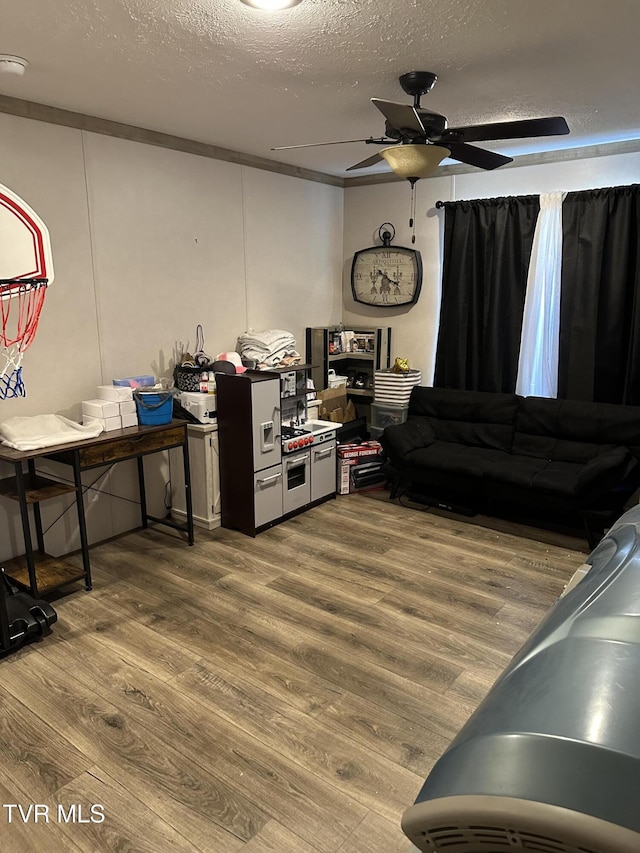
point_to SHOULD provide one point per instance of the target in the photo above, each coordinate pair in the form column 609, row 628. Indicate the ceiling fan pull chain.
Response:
column 412, row 211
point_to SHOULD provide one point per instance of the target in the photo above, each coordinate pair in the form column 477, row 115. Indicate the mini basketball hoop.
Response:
column 26, row 270
column 21, row 301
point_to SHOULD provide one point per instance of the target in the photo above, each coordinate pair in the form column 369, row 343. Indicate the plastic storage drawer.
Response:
column 384, row 415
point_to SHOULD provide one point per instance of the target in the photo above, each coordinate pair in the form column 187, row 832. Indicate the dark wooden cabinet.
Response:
column 250, row 450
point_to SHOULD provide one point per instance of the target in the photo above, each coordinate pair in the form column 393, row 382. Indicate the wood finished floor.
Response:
column 287, row 693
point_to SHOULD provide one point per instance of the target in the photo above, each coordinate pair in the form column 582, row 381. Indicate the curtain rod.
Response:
column 441, row 204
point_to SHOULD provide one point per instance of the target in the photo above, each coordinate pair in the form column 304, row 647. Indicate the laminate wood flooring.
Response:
column 283, row 694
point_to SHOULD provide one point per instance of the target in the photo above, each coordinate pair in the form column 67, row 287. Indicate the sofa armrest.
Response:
column 400, row 439
column 605, row 469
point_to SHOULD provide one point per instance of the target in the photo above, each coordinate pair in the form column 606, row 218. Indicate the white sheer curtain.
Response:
column 538, row 362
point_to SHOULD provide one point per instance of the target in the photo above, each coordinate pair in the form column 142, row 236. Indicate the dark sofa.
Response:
column 483, row 451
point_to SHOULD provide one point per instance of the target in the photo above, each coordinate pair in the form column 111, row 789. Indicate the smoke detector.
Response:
column 12, row 64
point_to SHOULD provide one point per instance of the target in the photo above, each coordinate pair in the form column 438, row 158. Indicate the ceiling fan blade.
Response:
column 474, row 156
column 370, row 140
column 363, row 164
column 402, row 117
column 519, row 129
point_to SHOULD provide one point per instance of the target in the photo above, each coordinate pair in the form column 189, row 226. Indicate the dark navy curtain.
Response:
column 487, row 248
column 600, row 307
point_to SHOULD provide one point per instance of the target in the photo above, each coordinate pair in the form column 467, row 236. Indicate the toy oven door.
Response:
column 296, row 480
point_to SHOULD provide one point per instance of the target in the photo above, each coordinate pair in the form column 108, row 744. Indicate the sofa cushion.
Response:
column 574, row 480
column 571, row 430
column 472, row 418
column 456, row 458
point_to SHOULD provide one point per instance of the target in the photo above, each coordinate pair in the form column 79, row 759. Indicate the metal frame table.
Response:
column 41, row 573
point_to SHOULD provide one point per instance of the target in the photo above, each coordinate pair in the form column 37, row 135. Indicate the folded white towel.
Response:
column 44, row 431
column 267, row 338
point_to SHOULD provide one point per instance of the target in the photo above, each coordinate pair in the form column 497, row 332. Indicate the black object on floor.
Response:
column 352, row 431
column 22, row 617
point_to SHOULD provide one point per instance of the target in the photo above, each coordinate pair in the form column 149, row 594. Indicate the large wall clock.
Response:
column 386, row 276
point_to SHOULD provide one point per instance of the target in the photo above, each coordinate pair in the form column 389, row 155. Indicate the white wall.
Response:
column 147, row 243
column 414, row 329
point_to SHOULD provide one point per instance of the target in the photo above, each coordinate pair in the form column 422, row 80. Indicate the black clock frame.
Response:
column 386, row 245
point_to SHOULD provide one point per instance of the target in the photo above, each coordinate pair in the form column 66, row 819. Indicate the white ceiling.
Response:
column 220, row 72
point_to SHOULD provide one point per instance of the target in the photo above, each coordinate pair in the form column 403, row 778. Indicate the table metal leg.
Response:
column 82, row 525
column 143, row 493
column 26, row 528
column 36, row 507
column 187, row 488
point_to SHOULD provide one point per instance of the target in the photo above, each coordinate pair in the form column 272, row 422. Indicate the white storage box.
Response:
column 395, row 388
column 115, row 393
column 128, row 407
column 103, row 409
column 129, row 420
column 108, row 424
column 334, row 380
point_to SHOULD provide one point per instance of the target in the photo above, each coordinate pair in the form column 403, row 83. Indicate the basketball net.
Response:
column 21, row 302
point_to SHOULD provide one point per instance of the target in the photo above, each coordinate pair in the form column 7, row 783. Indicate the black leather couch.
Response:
column 482, row 451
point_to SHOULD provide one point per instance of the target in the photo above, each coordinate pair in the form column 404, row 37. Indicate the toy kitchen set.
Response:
column 274, row 462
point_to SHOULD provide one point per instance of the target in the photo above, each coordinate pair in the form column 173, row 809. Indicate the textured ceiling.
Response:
column 218, row 71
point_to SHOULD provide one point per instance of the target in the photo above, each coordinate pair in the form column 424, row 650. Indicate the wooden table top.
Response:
column 10, row 454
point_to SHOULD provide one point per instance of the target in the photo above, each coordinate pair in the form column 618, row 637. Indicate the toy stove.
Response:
column 308, row 463
column 296, row 438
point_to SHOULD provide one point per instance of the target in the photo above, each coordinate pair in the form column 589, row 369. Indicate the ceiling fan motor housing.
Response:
column 433, row 123
column 416, row 83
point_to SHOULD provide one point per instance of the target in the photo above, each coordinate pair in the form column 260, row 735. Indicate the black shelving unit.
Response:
column 321, row 344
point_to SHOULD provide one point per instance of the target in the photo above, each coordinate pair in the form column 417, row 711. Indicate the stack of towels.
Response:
column 270, row 348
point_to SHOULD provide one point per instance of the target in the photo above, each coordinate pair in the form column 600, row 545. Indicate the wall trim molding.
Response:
column 94, row 124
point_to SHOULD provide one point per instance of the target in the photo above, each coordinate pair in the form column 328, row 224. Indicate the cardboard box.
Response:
column 115, row 393
column 360, row 449
column 366, row 475
column 107, row 424
column 359, row 467
column 335, row 406
column 102, row 409
column 358, row 475
column 344, row 465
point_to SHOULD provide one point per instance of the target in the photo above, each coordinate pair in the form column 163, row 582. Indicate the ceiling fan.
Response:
column 417, row 140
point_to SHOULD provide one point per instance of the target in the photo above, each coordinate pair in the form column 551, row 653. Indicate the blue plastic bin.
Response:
column 154, row 407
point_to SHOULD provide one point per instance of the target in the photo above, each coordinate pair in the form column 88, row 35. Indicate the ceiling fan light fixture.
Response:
column 271, row 5
column 414, row 161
